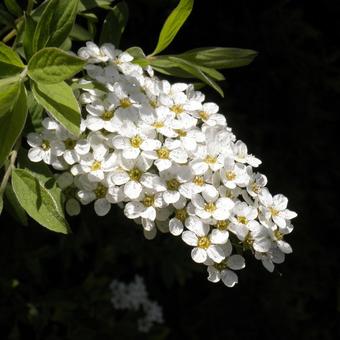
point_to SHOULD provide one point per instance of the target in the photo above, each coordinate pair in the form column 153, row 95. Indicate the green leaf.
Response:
column 12, row 124
column 85, row 5
column 168, row 67
column 197, row 72
column 10, row 62
column 59, row 100
column 114, row 24
column 53, row 65
column 30, row 26
column 172, row 25
column 81, row 34
column 136, row 52
column 13, row 7
column 8, row 96
column 42, row 204
column 35, row 111
column 55, row 23
column 13, row 206
column 220, row 57
column 1, row 204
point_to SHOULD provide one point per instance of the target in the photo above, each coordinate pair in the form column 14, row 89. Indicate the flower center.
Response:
column 181, row 133
column 273, row 211
column 135, row 174
column 70, row 144
column 178, row 109
column 278, row 235
column 45, row 145
column 198, row 180
column 181, row 214
column 222, row 225
column 172, row 184
column 153, row 103
column 203, row 242
column 158, row 125
column 100, row 191
column 242, row 219
column 149, row 200
column 210, row 207
column 107, row 115
column 221, row 266
column 210, row 159
column 125, row 103
column 203, row 115
column 256, row 188
column 136, row 141
column 230, row 175
column 163, row 153
column 248, row 241
column 96, row 165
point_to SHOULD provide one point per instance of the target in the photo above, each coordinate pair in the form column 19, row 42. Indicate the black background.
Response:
column 285, row 107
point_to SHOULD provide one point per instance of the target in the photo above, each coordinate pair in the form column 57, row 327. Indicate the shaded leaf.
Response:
column 30, row 26
column 13, row 206
column 55, row 23
column 10, row 62
column 12, row 124
column 8, row 96
column 114, row 24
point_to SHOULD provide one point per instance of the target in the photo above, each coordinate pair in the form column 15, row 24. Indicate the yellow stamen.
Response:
column 136, row 141
column 125, row 103
column 178, row 109
column 210, row 207
column 149, row 200
column 230, row 175
column 198, row 180
column 181, row 214
column 223, row 225
column 203, row 242
column 163, row 153
column 107, row 115
column 135, row 174
column 203, row 115
column 210, row 159
column 100, row 191
column 45, row 145
column 172, row 184
column 96, row 165
column 242, row 219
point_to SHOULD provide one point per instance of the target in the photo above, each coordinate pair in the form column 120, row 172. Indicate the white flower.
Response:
column 43, row 147
column 205, row 245
column 256, row 183
column 208, row 114
column 275, row 208
column 212, row 206
column 224, row 270
column 234, row 174
column 241, row 154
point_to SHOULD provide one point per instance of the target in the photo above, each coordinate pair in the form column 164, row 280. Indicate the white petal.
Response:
column 199, row 168
column 214, row 274
column 149, row 213
column 133, row 209
column 216, row 253
column 72, row 207
column 284, row 247
column 102, row 206
column 196, row 225
column 229, row 278
column 219, row 236
column 175, row 227
column 120, row 177
column 236, row 262
column 189, row 238
column 82, row 147
column 199, row 255
column 132, row 189
column 171, row 196
column 71, row 156
column 35, row 154
column 151, row 144
column 280, row 202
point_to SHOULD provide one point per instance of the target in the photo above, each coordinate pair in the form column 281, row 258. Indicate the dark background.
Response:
column 285, row 107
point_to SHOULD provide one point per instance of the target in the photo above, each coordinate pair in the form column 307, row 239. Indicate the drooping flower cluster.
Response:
column 134, row 297
column 170, row 161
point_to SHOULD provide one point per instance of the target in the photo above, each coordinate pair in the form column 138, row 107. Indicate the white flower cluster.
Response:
column 170, row 160
column 133, row 296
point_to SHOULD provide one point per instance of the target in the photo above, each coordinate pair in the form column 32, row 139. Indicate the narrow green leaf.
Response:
column 1, row 204
column 136, row 52
column 8, row 96
column 42, row 204
column 168, row 67
column 220, row 57
column 59, row 100
column 30, row 26
column 81, row 34
column 85, row 5
column 172, row 25
column 211, row 72
column 13, row 206
column 10, row 62
column 12, row 124
column 35, row 114
column 196, row 71
column 114, row 24
column 53, row 65
column 13, row 7
column 55, row 23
